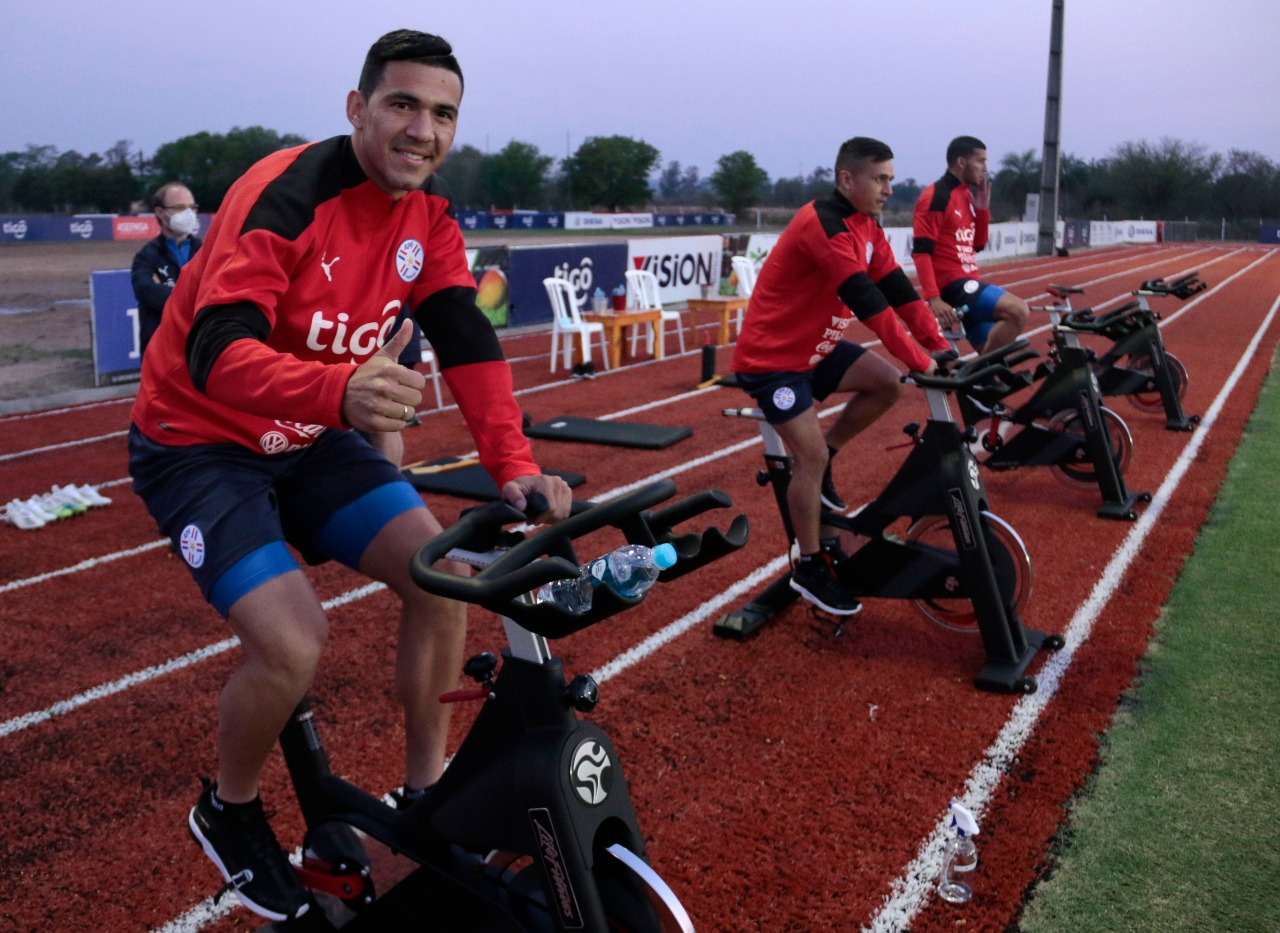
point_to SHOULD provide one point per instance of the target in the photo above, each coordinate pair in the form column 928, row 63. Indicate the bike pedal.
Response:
column 349, row 882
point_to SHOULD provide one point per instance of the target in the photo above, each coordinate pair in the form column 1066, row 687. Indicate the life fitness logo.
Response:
column 591, row 772
column 409, row 259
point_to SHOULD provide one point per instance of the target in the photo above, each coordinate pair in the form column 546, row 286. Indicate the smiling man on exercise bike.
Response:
column 831, row 264
column 275, row 349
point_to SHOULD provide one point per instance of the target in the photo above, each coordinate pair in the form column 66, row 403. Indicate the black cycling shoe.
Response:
column 816, row 582
column 830, row 498
column 238, row 839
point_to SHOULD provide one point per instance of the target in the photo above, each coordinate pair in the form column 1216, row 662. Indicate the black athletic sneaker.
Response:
column 830, row 498
column 816, row 582
column 238, row 839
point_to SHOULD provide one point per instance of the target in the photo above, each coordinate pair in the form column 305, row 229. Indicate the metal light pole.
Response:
column 1052, row 129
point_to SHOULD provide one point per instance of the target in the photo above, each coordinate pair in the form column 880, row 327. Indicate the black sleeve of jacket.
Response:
column 214, row 330
column 862, row 296
column 151, row 295
column 457, row 330
column 897, row 288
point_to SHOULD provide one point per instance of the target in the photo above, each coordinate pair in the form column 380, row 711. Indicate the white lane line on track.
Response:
column 137, row 678
column 87, row 564
column 27, row 416
column 913, row 889
column 62, row 446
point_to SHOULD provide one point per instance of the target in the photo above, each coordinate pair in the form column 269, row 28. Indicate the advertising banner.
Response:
column 1075, row 234
column 16, row 228
column 586, row 266
column 473, row 220
column 582, row 220
column 113, row 323
column 1270, row 233
column 682, row 265
column 489, row 265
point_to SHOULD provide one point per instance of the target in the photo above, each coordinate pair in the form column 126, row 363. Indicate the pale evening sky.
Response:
column 697, row 79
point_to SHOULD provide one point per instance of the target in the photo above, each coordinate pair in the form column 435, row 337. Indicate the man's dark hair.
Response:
column 853, row 152
column 962, row 147
column 406, row 45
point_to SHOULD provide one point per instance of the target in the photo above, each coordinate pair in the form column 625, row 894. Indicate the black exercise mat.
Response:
column 615, row 433
column 468, row 482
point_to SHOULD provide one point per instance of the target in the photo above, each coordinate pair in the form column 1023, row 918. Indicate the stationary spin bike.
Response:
column 1063, row 426
column 962, row 567
column 531, row 827
column 1136, row 365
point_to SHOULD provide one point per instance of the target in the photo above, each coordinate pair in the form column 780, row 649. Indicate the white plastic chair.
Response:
column 643, row 285
column 745, row 269
column 567, row 322
column 433, row 371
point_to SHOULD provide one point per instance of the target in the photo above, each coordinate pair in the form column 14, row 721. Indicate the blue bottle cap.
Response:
column 664, row 555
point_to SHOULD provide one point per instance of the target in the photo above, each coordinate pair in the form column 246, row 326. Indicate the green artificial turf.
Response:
column 1180, row 827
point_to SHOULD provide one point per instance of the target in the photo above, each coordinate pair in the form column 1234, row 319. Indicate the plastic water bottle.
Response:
column 598, row 300
column 629, row 571
column 959, row 857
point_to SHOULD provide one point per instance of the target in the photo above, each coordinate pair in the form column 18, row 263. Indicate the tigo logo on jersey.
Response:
column 191, row 543
column 409, row 260
column 871, row 249
column 784, row 398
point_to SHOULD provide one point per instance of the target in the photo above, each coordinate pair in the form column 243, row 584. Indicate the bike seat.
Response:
column 1062, row 291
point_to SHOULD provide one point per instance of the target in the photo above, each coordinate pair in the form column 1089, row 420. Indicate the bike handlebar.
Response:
column 1084, row 320
column 1182, row 287
column 531, row 560
column 988, row 371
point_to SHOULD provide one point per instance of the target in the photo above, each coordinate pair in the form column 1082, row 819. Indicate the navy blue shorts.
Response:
column 980, row 298
column 784, row 394
column 229, row 511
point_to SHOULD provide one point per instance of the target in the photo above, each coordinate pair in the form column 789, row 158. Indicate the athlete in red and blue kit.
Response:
column 275, row 350
column 830, row 265
column 950, row 227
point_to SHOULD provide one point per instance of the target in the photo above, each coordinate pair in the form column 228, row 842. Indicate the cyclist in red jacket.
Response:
column 831, row 265
column 276, row 349
column 950, row 227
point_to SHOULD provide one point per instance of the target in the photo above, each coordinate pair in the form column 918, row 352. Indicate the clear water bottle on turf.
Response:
column 629, row 571
column 959, row 857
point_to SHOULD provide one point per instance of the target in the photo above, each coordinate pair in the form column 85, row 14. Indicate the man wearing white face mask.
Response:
column 157, row 264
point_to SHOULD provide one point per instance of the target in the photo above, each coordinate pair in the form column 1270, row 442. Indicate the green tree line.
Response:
column 1171, row 179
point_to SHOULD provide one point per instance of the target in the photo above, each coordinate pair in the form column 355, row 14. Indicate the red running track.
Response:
column 792, row 782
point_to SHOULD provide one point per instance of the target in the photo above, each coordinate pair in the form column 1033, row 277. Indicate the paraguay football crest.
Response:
column 409, row 259
column 191, row 544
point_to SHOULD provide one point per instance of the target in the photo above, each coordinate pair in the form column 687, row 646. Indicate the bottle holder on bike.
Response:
column 550, row 555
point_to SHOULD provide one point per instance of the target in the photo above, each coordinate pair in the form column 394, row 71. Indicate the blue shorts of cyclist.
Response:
column 784, row 394
column 980, row 298
column 229, row 511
